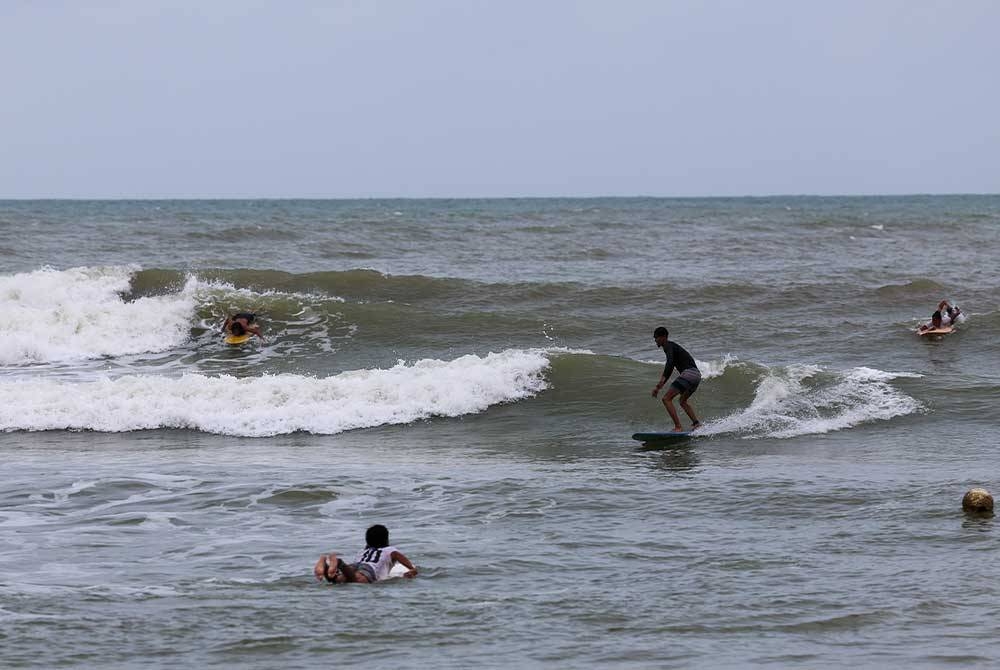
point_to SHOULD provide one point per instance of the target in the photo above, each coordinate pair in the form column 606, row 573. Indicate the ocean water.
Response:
column 469, row 373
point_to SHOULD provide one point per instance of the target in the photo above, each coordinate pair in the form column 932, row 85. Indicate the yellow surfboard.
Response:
column 943, row 330
column 238, row 339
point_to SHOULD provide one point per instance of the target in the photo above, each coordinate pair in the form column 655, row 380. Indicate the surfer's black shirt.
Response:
column 677, row 357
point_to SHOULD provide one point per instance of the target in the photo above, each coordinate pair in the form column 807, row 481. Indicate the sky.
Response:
column 498, row 98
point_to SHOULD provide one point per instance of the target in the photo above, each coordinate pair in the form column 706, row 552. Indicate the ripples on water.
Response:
column 816, row 523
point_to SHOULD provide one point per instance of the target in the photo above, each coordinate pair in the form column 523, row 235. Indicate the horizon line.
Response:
column 502, row 197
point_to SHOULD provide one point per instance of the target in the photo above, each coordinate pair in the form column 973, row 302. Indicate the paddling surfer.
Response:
column 936, row 323
column 374, row 562
column 950, row 315
column 241, row 324
column 945, row 316
column 686, row 383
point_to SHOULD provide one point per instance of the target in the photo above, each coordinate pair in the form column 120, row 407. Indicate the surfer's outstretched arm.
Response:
column 399, row 557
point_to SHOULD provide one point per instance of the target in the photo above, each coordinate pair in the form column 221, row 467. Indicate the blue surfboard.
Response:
column 662, row 437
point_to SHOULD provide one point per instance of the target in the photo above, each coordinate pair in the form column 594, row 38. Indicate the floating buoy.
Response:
column 978, row 501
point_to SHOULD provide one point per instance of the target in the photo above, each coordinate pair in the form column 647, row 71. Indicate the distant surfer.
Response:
column 242, row 323
column 950, row 316
column 686, row 383
column 373, row 563
column 945, row 316
column 936, row 323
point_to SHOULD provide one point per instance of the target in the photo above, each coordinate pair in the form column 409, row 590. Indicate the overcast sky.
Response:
column 469, row 98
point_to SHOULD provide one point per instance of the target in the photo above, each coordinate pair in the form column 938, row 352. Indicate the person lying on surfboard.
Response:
column 949, row 315
column 374, row 562
column 241, row 324
column 686, row 383
column 946, row 316
column 936, row 323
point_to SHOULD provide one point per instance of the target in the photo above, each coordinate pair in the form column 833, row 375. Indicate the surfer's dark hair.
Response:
column 377, row 536
column 237, row 328
column 935, row 315
column 661, row 332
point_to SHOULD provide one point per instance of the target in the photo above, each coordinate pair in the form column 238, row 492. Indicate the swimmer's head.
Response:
column 377, row 536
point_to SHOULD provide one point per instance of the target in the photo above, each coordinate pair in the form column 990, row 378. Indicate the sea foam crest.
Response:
column 76, row 314
column 805, row 400
column 708, row 369
column 275, row 405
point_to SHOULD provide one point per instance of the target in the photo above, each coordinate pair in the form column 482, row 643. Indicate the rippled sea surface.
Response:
column 469, row 373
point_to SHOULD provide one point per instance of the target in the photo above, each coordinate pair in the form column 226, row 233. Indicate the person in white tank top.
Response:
column 373, row 563
column 946, row 316
column 950, row 314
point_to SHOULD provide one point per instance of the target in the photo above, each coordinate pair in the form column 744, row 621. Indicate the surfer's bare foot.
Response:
column 332, row 567
column 678, row 429
column 319, row 570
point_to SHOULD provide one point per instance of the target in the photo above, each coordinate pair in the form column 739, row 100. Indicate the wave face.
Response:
column 793, row 307
column 145, row 343
column 749, row 400
column 736, row 398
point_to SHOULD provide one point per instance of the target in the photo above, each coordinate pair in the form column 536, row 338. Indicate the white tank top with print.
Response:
column 380, row 559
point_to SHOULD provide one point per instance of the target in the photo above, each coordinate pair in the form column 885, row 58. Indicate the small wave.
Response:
column 362, row 284
column 296, row 496
column 239, row 284
column 242, row 233
column 918, row 289
column 806, row 400
column 276, row 405
column 709, row 369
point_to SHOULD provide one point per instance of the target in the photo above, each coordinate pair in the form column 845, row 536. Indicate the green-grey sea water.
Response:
column 469, row 373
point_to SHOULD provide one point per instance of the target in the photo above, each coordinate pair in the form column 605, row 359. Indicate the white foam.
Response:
column 54, row 316
column 871, row 374
column 274, row 405
column 220, row 288
column 708, row 369
column 76, row 314
column 785, row 405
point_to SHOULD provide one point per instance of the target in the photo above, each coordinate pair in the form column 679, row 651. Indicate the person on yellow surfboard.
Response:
column 242, row 323
column 944, row 317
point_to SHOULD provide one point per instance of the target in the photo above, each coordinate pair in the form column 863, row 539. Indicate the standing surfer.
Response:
column 686, row 383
